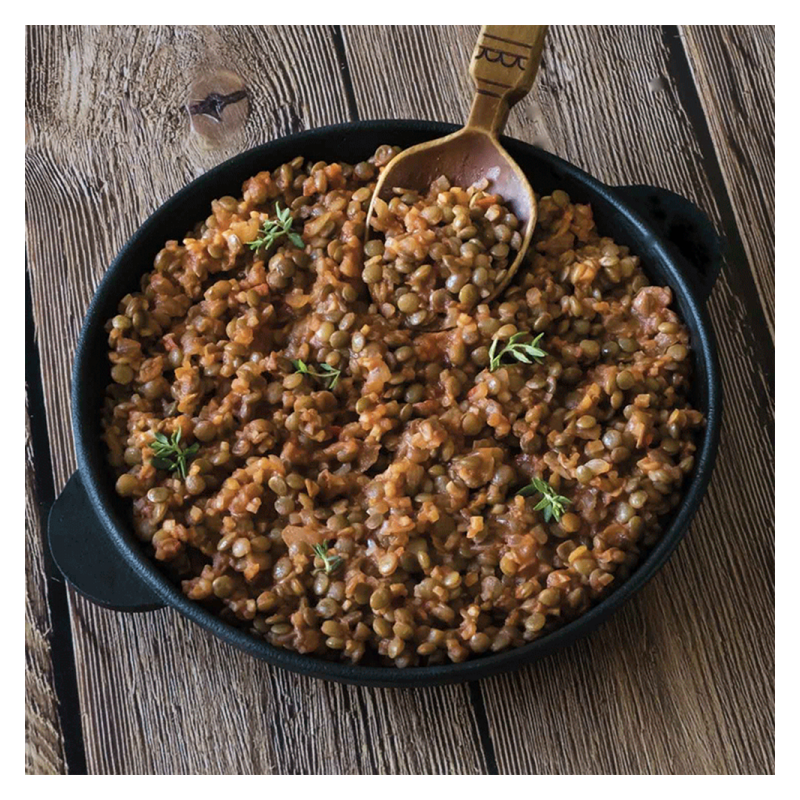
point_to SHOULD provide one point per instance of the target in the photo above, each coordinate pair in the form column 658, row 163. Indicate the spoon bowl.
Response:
column 503, row 68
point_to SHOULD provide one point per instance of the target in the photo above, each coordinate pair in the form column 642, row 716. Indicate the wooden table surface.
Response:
column 681, row 680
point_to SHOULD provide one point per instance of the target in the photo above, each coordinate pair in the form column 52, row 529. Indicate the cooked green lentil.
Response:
column 404, row 473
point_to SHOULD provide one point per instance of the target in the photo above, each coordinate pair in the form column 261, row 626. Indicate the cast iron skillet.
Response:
column 90, row 536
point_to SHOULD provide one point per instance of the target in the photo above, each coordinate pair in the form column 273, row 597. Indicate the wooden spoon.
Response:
column 503, row 67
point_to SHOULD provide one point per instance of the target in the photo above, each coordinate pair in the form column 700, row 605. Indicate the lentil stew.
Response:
column 344, row 485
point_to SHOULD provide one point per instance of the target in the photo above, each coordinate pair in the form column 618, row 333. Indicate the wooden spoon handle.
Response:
column 503, row 67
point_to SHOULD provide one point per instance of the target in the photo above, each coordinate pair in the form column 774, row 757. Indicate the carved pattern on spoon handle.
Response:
column 504, row 65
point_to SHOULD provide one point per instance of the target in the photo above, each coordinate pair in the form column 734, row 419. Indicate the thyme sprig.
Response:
column 328, row 373
column 526, row 352
column 331, row 563
column 273, row 229
column 551, row 503
column 170, row 455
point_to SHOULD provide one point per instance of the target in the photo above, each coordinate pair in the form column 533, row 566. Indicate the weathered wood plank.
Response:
column 682, row 679
column 108, row 139
column 44, row 745
column 734, row 69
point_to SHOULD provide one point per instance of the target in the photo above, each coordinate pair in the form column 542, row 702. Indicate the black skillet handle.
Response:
column 88, row 558
column 683, row 226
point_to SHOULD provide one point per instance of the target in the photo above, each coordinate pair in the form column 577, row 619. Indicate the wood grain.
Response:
column 734, row 68
column 108, row 140
column 682, row 679
column 44, row 750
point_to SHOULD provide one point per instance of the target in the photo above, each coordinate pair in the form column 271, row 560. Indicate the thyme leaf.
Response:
column 551, row 504
column 526, row 352
column 328, row 373
column 273, row 229
column 331, row 563
column 170, row 455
